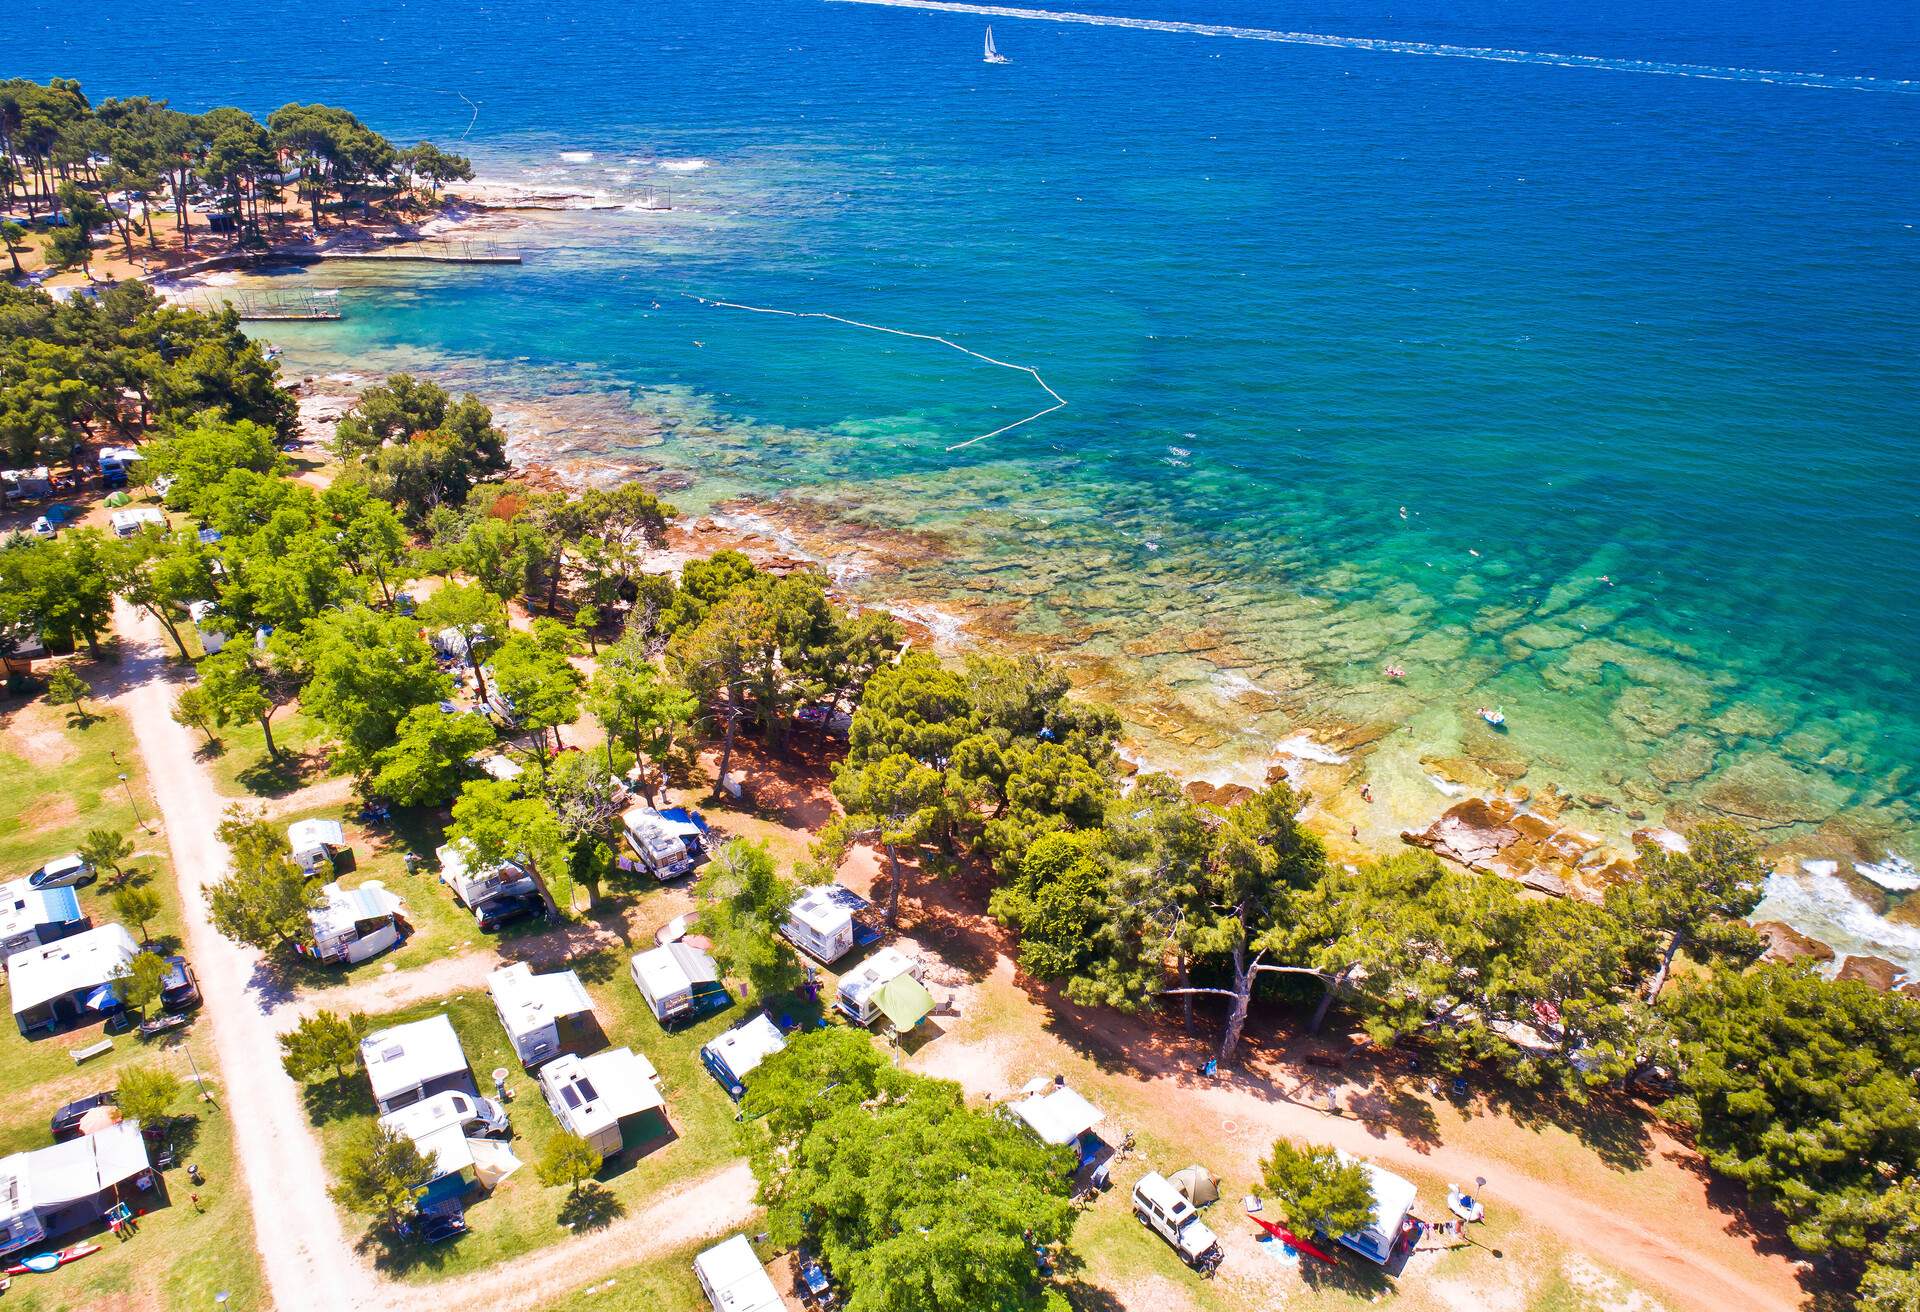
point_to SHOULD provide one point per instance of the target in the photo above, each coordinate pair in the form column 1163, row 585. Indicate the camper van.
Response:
column 542, row 1014
column 679, row 981
column 820, row 922
column 669, row 843
column 859, row 991
column 1164, row 1210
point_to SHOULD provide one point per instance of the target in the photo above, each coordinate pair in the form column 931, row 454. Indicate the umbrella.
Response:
column 103, row 999
column 98, row 1119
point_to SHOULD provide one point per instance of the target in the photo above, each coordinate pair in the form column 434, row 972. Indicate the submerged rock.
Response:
column 1496, row 837
column 1876, row 971
column 1785, row 943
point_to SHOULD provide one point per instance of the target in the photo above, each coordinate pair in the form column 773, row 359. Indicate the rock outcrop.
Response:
column 1785, row 943
column 1496, row 837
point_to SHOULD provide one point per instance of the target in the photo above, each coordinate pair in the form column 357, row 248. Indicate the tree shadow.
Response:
column 339, row 1098
column 277, row 776
column 211, row 750
column 591, row 1207
column 398, row 1255
column 1082, row 1297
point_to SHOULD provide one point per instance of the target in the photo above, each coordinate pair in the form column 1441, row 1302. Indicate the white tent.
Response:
column 1058, row 1115
column 733, row 1280
column 540, row 1012
column 49, row 1191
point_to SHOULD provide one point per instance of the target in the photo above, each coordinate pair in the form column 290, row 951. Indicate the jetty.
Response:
column 422, row 252
column 276, row 306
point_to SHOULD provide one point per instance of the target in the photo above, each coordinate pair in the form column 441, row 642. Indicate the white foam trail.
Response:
column 1824, row 908
column 1059, row 401
column 1827, row 81
column 1896, row 874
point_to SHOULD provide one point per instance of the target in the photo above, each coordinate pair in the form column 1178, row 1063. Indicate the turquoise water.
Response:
column 1642, row 340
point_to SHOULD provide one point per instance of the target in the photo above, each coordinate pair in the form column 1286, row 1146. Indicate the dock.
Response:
column 276, row 306
column 426, row 252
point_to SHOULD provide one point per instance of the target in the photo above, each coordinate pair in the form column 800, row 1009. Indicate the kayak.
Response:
column 44, row 1262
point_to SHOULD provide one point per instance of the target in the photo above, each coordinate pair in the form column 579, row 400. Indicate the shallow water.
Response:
column 1634, row 352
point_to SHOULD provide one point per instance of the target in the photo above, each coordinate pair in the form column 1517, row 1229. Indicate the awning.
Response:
column 493, row 1161
column 904, row 1001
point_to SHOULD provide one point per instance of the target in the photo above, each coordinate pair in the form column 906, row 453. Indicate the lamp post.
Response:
column 138, row 818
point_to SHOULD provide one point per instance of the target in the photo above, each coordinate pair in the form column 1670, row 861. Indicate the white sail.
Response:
column 993, row 55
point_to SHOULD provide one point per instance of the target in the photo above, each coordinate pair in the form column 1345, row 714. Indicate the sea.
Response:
column 1563, row 359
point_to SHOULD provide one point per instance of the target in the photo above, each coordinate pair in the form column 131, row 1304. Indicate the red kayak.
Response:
column 1282, row 1233
column 43, row 1262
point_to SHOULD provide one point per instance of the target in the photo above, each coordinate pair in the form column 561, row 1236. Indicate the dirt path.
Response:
column 310, row 1265
column 1702, row 1267
column 310, row 1262
column 701, row 1209
column 336, row 791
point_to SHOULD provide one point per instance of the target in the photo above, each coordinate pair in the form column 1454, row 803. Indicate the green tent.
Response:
column 119, row 499
column 904, row 1001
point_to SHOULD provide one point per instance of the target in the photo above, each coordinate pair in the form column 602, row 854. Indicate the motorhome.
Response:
column 860, row 993
column 668, row 843
column 542, row 1014
column 474, row 883
column 820, row 922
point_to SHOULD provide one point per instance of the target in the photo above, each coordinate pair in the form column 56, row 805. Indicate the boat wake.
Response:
column 1059, row 401
column 1827, row 81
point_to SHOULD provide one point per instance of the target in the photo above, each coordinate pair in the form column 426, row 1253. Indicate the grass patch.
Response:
column 182, row 1256
column 664, row 1284
column 241, row 767
column 441, row 926
column 522, row 1215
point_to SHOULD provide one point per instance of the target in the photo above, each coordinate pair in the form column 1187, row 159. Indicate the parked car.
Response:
column 508, row 908
column 66, row 1121
column 1164, row 1210
column 180, row 991
column 69, row 871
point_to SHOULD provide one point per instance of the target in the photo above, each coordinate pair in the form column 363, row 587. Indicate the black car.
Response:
column 66, row 1121
column 508, row 908
column 181, row 989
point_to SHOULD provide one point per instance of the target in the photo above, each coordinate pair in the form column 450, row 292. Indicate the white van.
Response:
column 1164, row 1210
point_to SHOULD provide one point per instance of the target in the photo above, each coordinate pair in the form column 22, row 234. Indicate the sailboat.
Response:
column 993, row 55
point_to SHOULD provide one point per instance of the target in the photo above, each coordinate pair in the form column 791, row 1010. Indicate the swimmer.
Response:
column 1403, row 512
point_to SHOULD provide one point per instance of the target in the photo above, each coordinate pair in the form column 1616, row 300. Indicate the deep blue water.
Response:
column 1582, row 321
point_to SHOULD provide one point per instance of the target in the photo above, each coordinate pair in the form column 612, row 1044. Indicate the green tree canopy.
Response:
column 381, row 1173
column 1317, row 1190
column 263, row 902
column 323, row 1045
column 368, row 672
column 426, row 762
column 743, row 905
column 147, row 1093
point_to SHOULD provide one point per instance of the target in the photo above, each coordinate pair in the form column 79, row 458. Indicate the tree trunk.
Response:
column 1659, row 980
column 893, row 894
column 173, row 630
column 1186, row 999
column 266, row 728
column 479, row 679
column 1326, row 1003
column 726, row 751
column 1242, row 998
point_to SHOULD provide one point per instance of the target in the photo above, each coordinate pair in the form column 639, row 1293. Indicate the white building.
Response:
column 678, row 980
column 30, row 917
column 351, row 925
column 820, row 923
column 69, row 1186
column 68, row 980
column 412, row 1062
column 733, row 1280
column 473, row 883
column 542, row 1014
column 316, row 843
column 733, row 1056
column 860, row 986
column 1392, row 1203
column 604, row 1097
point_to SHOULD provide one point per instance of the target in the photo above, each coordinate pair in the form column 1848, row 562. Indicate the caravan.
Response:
column 474, row 884
column 351, row 925
column 862, row 994
column 820, row 922
column 606, row 1098
column 669, row 843
column 679, row 981
column 542, row 1014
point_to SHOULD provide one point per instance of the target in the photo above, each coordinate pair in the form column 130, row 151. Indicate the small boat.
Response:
column 1494, row 717
column 43, row 1262
column 993, row 55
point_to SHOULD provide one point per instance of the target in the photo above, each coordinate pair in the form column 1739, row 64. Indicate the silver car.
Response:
column 69, row 871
